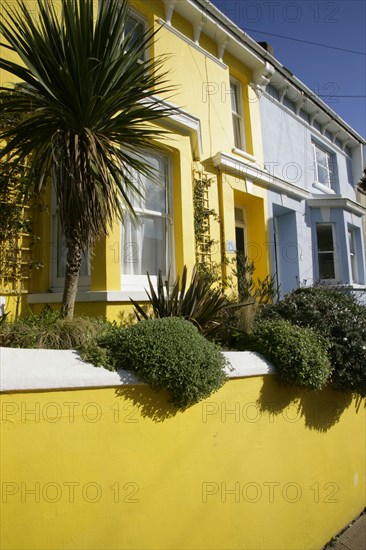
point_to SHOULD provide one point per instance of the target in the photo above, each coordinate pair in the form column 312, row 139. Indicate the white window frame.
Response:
column 241, row 224
column 333, row 251
column 57, row 283
column 277, row 251
column 139, row 18
column 353, row 256
column 137, row 283
column 237, row 116
column 330, row 184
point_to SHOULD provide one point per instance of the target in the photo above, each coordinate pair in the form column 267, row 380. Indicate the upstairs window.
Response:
column 237, row 113
column 324, row 163
column 136, row 27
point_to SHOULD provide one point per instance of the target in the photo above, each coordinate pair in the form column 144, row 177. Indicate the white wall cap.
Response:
column 247, row 363
column 39, row 369
column 42, row 369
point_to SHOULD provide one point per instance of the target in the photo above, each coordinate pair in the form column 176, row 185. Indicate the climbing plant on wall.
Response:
column 206, row 246
column 17, row 239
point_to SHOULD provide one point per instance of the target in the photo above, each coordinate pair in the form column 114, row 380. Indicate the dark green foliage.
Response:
column 249, row 288
column 198, row 302
column 169, row 354
column 48, row 331
column 299, row 354
column 341, row 320
column 16, row 262
column 3, row 318
column 205, row 245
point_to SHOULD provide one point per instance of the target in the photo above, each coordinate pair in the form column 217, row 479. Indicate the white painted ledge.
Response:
column 247, row 363
column 40, row 369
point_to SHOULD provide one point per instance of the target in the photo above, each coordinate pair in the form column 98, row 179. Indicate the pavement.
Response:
column 352, row 538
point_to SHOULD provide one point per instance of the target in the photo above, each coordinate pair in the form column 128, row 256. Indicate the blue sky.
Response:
column 329, row 72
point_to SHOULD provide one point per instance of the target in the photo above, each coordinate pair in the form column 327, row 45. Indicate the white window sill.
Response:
column 89, row 296
column 243, row 154
column 323, row 188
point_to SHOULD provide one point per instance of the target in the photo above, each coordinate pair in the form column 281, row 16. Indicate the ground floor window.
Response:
column 326, row 251
column 59, row 254
column 146, row 245
column 353, row 256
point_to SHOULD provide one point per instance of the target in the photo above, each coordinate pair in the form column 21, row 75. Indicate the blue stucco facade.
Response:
column 315, row 162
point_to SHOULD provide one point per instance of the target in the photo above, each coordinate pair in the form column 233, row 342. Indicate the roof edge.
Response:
column 266, row 56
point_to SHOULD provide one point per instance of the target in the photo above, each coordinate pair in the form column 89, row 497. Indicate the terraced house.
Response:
column 277, row 170
column 315, row 160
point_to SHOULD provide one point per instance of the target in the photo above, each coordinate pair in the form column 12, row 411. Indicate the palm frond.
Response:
column 85, row 98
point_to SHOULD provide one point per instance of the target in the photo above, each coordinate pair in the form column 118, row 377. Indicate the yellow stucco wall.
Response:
column 202, row 89
column 255, row 466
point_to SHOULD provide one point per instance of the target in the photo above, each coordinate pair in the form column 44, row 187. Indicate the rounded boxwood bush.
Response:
column 170, row 354
column 299, row 354
column 340, row 319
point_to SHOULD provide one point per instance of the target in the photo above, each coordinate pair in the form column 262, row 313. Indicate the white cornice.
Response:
column 234, row 165
column 336, row 201
column 191, row 43
column 251, row 54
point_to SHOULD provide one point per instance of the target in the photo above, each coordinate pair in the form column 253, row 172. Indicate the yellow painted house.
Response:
column 215, row 137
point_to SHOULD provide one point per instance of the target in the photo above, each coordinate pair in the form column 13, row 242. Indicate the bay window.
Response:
column 326, row 251
column 146, row 245
column 59, row 253
column 352, row 249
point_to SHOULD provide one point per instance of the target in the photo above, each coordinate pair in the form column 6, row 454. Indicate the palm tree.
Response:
column 85, row 85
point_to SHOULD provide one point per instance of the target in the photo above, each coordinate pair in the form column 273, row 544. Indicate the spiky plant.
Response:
column 85, row 87
column 198, row 302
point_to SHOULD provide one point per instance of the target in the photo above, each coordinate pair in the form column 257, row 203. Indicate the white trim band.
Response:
column 190, row 42
column 229, row 163
column 336, row 201
column 40, row 369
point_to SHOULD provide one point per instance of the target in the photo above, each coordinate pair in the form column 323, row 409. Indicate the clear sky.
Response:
column 339, row 77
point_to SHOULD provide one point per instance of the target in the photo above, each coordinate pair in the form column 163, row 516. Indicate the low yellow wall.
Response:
column 255, row 466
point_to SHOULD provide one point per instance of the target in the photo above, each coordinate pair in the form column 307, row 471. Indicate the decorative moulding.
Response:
column 242, row 168
column 192, row 43
column 336, row 201
column 182, row 121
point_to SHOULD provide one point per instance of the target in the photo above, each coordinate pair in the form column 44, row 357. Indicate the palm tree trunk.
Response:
column 73, row 263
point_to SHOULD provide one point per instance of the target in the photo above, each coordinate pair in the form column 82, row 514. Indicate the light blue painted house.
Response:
column 315, row 161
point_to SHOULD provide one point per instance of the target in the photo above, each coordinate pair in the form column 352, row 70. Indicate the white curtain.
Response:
column 132, row 247
column 144, row 245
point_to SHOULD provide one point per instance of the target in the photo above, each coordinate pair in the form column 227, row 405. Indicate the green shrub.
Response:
column 338, row 318
column 299, row 354
column 169, row 354
column 47, row 331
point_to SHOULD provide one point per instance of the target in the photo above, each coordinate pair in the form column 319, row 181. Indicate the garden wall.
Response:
column 93, row 460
